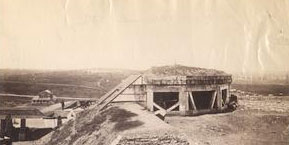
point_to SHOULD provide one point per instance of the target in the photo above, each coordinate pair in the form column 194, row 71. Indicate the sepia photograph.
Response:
column 144, row 72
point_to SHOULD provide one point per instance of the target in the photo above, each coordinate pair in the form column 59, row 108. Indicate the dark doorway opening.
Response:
column 202, row 99
column 166, row 99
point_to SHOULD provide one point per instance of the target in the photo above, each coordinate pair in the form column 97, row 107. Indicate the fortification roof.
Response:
column 180, row 70
column 184, row 75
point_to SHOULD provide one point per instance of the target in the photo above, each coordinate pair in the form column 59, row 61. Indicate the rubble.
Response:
column 153, row 140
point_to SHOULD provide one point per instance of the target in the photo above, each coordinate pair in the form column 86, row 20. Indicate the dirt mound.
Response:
column 184, row 71
column 92, row 127
column 126, row 120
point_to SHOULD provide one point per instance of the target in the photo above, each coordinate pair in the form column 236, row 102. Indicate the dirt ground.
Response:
column 259, row 120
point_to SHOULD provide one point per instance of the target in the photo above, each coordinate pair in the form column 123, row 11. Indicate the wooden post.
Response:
column 183, row 99
column 62, row 105
column 23, row 123
column 22, row 130
column 2, row 128
column 8, row 126
column 59, row 121
column 219, row 98
column 228, row 93
column 150, row 99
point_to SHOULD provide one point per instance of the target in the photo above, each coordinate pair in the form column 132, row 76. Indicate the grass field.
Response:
column 263, row 89
column 7, row 101
column 78, row 83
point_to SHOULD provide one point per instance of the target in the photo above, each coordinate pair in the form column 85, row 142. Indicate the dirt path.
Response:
column 150, row 121
column 153, row 130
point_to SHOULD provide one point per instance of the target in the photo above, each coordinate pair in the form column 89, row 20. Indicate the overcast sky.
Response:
column 231, row 35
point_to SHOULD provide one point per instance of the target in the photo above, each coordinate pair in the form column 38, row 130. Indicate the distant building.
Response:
column 44, row 97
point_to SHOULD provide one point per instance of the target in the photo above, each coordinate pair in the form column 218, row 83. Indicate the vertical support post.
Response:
column 59, row 121
column 22, row 130
column 150, row 99
column 228, row 93
column 23, row 123
column 62, row 105
column 219, row 98
column 183, row 99
column 2, row 128
column 187, row 103
column 8, row 126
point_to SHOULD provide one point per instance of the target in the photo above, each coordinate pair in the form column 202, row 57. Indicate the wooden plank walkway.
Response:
column 112, row 94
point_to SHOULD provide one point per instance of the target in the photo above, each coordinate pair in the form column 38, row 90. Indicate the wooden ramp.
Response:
column 112, row 94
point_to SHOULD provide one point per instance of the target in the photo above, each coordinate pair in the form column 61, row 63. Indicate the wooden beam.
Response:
column 110, row 96
column 161, row 112
column 192, row 100
column 119, row 88
column 159, row 107
column 212, row 102
column 173, row 107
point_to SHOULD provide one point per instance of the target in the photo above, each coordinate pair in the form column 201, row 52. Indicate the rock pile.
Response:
column 153, row 140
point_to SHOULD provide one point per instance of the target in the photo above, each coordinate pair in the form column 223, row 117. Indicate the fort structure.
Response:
column 180, row 90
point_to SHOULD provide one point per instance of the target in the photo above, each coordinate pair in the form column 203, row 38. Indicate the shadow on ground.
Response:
column 100, row 125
